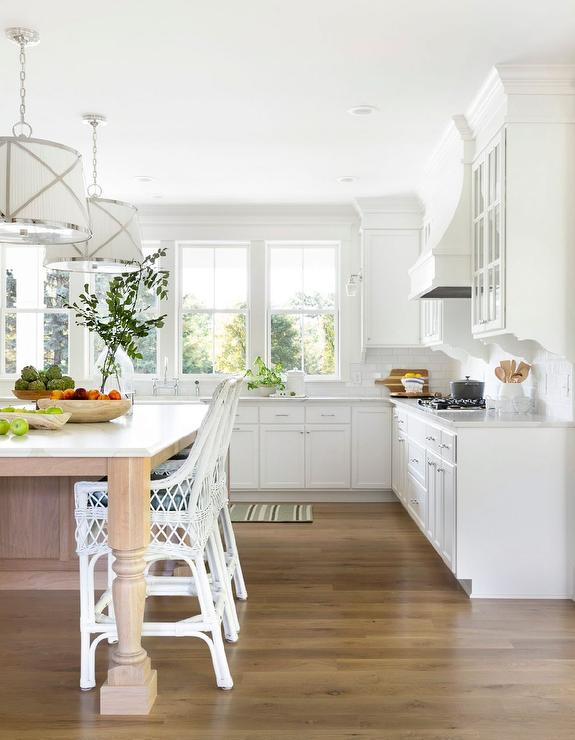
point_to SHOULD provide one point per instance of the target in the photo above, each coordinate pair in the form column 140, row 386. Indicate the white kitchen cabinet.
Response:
column 282, row 456
column 244, row 457
column 416, row 499
column 389, row 318
column 371, row 447
column 327, row 456
column 399, row 460
column 440, row 523
column 488, row 242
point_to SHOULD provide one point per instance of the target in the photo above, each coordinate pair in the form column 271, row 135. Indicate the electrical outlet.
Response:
column 356, row 378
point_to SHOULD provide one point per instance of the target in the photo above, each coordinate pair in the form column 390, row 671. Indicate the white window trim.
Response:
column 335, row 311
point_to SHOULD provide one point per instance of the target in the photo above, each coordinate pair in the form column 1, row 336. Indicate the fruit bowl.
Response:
column 31, row 395
column 87, row 412
column 37, row 421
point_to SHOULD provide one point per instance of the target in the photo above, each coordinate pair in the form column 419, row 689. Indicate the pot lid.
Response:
column 467, row 381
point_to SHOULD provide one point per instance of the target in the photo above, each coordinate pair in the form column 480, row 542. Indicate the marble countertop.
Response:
column 260, row 399
column 146, row 432
column 481, row 419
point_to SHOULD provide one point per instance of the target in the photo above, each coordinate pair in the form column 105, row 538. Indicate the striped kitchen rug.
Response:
column 297, row 513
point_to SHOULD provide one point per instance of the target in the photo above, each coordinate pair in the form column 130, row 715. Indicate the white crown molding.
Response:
column 246, row 214
column 390, row 212
column 537, row 79
column 458, row 131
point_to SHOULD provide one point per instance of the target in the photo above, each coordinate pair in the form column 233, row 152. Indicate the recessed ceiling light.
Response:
column 346, row 179
column 362, row 110
column 143, row 178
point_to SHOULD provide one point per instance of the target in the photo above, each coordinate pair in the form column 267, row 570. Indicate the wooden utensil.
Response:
column 500, row 374
column 513, row 367
column 523, row 370
column 506, row 365
column 517, row 378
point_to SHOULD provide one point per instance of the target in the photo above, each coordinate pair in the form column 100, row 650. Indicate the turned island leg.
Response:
column 131, row 684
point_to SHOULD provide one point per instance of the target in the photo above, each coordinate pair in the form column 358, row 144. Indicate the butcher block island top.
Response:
column 148, row 432
column 41, row 464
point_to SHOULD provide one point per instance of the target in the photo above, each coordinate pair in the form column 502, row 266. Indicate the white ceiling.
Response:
column 222, row 100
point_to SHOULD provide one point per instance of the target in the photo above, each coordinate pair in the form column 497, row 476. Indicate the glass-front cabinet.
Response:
column 488, row 292
column 431, row 321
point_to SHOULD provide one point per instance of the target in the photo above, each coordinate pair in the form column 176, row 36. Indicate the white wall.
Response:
column 550, row 383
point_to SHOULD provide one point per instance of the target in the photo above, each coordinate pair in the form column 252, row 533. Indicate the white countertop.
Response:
column 147, row 431
column 480, row 418
column 260, row 399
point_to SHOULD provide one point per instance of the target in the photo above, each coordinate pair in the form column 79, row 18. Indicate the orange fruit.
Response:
column 68, row 394
column 103, row 397
column 57, row 394
column 93, row 394
column 115, row 395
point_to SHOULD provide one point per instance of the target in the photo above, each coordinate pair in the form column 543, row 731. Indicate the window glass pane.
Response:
column 29, row 285
column 231, row 277
column 286, row 277
column 319, row 278
column 286, row 340
column 197, row 343
column 230, row 342
column 56, row 340
column 319, row 344
column 197, row 277
column 10, row 344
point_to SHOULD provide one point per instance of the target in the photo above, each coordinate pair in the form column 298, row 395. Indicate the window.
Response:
column 35, row 324
column 213, row 308
column 303, row 307
column 149, row 305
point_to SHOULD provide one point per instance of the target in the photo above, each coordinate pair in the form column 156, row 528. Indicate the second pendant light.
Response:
column 115, row 244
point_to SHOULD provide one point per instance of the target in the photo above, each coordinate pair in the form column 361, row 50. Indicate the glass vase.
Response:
column 115, row 371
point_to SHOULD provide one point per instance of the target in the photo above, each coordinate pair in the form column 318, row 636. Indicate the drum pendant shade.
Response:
column 42, row 193
column 115, row 241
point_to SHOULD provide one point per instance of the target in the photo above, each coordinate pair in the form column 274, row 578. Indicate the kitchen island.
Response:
column 37, row 472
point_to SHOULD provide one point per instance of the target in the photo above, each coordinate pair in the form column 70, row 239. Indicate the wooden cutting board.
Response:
column 393, row 381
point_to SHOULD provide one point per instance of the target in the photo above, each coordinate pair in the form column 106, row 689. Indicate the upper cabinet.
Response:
column 389, row 246
column 488, row 256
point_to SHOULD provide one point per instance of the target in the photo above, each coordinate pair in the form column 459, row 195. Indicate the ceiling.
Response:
column 227, row 101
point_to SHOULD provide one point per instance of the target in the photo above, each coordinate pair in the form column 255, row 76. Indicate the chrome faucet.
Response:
column 197, row 384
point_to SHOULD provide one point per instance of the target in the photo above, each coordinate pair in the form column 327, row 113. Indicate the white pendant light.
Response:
column 115, row 246
column 42, row 196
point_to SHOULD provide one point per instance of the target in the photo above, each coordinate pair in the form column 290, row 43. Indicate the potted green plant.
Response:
column 121, row 319
column 265, row 379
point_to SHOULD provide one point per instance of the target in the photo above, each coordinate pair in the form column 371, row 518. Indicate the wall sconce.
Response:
column 352, row 285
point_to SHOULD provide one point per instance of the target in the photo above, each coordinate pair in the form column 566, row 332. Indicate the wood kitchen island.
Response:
column 37, row 473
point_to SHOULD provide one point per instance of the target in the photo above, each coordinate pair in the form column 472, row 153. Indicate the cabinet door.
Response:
column 416, row 499
column 488, row 293
column 282, row 456
column 400, row 467
column 431, row 514
column 371, row 447
column 327, row 456
column 447, row 480
column 389, row 318
column 244, row 457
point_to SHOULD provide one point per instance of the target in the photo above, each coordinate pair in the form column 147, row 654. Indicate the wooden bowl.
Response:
column 39, row 421
column 31, row 395
column 87, row 412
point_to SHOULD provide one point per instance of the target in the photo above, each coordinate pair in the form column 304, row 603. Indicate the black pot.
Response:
column 467, row 389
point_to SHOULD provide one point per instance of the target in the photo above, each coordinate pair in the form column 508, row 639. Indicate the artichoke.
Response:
column 21, row 385
column 36, row 385
column 29, row 373
column 68, row 382
column 42, row 376
column 56, row 385
column 53, row 372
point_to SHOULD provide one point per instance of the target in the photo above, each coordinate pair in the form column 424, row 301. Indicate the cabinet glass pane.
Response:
column 496, row 175
column 478, row 297
column 480, row 201
column 496, row 232
column 479, row 261
column 490, row 177
column 496, row 292
column 489, row 236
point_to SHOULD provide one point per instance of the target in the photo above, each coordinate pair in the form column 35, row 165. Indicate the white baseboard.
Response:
column 311, row 496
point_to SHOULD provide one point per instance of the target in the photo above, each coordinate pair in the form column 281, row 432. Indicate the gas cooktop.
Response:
column 452, row 404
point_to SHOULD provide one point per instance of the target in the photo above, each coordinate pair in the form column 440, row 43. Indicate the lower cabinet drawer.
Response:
column 416, row 499
column 416, row 461
column 328, row 414
column 286, row 413
column 433, row 439
column 247, row 414
column 448, row 447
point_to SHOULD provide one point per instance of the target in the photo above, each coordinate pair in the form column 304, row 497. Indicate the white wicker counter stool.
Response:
column 184, row 519
column 228, row 547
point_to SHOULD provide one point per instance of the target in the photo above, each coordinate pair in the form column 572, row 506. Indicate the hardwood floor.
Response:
column 354, row 629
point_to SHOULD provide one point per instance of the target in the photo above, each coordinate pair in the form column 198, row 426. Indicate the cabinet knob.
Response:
column 236, row 429
column 441, row 470
column 400, row 439
column 414, row 460
column 430, row 439
column 445, row 447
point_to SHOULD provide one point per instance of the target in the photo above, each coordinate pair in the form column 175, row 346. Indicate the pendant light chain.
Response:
column 22, row 129
column 94, row 190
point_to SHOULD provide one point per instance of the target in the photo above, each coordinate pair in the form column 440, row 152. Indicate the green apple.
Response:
column 8, row 410
column 19, row 427
column 4, row 426
column 53, row 410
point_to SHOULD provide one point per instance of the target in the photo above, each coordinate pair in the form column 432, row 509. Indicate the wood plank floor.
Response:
column 354, row 629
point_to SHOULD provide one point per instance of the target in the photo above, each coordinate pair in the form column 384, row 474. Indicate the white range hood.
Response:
column 443, row 269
